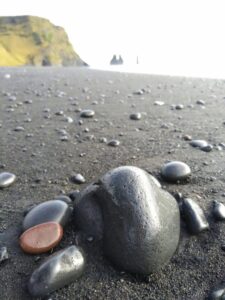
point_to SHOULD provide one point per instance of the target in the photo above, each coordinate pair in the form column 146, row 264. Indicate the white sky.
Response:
column 179, row 35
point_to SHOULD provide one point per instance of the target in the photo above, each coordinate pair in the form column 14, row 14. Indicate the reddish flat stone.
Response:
column 41, row 238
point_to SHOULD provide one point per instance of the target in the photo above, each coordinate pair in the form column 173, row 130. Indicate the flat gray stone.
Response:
column 48, row 211
column 175, row 170
column 58, row 270
column 6, row 179
column 139, row 221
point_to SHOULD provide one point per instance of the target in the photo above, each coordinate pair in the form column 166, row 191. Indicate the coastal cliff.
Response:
column 29, row 40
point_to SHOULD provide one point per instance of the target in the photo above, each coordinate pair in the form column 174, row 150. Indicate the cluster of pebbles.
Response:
column 127, row 203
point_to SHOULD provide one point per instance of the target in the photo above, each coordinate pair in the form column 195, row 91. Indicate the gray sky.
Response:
column 179, row 34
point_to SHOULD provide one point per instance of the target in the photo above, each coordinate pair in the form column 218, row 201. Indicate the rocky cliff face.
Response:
column 28, row 40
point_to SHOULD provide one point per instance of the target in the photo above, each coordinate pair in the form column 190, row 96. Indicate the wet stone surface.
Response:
column 198, row 143
column 124, row 198
column 218, row 211
column 114, row 143
column 58, row 270
column 87, row 113
column 78, row 178
column 6, row 179
column 49, row 211
column 135, row 116
column 175, row 171
column 194, row 216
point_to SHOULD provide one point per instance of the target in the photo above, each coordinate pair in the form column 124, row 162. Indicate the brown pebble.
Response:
column 41, row 238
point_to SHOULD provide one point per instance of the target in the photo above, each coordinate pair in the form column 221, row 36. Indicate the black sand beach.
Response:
column 44, row 164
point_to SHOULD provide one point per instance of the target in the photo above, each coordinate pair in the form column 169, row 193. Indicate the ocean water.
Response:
column 213, row 73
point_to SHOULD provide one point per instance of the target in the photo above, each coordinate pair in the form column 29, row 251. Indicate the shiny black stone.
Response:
column 194, row 216
column 49, row 211
column 58, row 270
column 139, row 221
column 175, row 170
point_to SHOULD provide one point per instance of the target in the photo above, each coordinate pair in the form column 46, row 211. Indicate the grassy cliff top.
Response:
column 30, row 40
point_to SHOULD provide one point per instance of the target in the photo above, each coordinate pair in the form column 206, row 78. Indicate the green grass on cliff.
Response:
column 28, row 40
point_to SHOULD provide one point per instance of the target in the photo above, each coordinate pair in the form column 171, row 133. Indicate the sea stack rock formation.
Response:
column 116, row 60
column 29, row 40
column 138, row 221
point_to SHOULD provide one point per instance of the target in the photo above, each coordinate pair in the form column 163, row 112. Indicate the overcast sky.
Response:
column 167, row 34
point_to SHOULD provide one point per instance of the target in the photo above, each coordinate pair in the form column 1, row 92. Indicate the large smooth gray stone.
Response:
column 48, row 211
column 59, row 269
column 140, row 221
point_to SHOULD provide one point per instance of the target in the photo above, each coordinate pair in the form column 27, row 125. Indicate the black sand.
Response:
column 43, row 165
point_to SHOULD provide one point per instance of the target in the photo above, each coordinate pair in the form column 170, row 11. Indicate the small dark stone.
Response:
column 218, row 210
column 217, row 294
column 159, row 103
column 3, row 254
column 103, row 140
column 64, row 138
column 49, row 211
column 59, row 113
column 78, row 178
column 28, row 101
column 187, row 137
column 58, row 270
column 114, row 143
column 19, row 128
column 200, row 102
column 179, row 106
column 135, row 116
column 6, row 179
column 87, row 113
column 207, row 148
column 74, row 194
column 198, row 143
column 194, row 216
column 175, row 170
column 138, row 92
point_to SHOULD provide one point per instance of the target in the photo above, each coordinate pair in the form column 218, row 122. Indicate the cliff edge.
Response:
column 29, row 40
